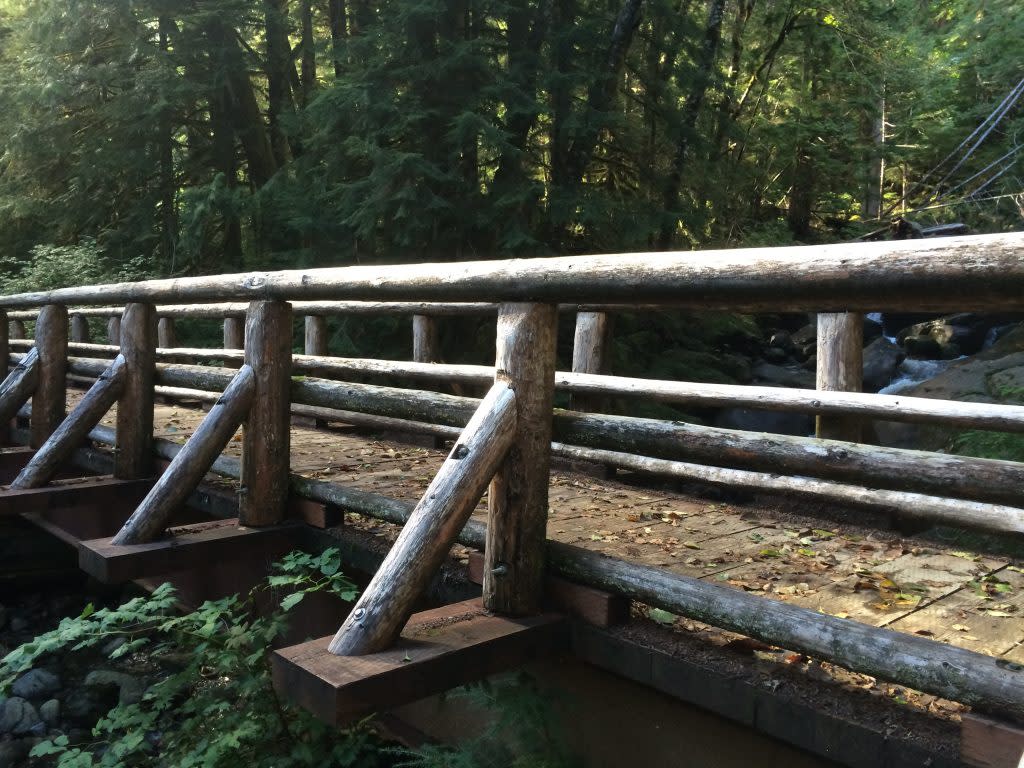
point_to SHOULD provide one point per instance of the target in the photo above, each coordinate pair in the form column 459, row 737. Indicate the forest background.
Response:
column 151, row 138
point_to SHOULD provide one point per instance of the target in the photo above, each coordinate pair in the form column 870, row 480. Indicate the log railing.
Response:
column 505, row 439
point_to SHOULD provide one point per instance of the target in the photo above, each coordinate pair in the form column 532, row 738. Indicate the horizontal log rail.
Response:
column 961, row 414
column 909, row 275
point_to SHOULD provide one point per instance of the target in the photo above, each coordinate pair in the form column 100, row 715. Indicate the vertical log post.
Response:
column 234, row 337
column 80, row 329
column 591, row 353
column 234, row 333
column 114, row 330
column 316, row 335
column 50, row 398
column 518, row 495
column 166, row 337
column 5, row 355
column 134, row 457
column 426, row 344
column 840, row 369
column 266, row 440
column 17, row 329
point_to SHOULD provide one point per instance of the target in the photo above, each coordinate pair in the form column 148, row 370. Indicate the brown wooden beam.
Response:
column 840, row 369
column 438, row 650
column 182, row 548
column 138, row 328
column 74, row 492
column 987, row 743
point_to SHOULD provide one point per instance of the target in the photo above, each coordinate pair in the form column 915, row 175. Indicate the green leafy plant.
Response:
column 213, row 704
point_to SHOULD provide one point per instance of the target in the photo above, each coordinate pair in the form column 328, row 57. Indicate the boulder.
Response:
column 993, row 376
column 50, row 711
column 36, row 684
column 783, row 376
column 129, row 689
column 881, row 359
column 18, row 717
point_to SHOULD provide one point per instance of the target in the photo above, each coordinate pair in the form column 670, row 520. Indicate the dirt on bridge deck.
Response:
column 949, row 587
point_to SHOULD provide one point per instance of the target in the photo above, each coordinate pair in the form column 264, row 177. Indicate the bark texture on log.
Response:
column 68, row 437
column 931, row 274
column 840, row 368
column 517, row 501
column 191, row 463
column 434, row 524
column 266, row 437
column 138, row 327
column 49, row 401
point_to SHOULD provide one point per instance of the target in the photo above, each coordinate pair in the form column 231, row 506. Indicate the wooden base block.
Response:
column 986, row 743
column 101, row 490
column 184, row 547
column 594, row 606
column 314, row 513
column 438, row 650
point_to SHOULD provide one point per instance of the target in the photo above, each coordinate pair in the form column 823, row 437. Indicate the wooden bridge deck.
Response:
column 948, row 593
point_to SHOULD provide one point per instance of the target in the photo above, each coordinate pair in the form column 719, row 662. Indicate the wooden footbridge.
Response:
column 549, row 546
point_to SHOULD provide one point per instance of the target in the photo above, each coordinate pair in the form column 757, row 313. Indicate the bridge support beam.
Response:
column 266, row 441
column 591, row 353
column 434, row 525
column 518, row 496
column 50, row 396
column 234, row 332
column 315, row 342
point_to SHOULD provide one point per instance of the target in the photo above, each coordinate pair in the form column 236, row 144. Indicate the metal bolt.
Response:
column 460, row 452
column 358, row 613
column 499, row 570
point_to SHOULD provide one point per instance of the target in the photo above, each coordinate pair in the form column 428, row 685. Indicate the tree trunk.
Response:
column 308, row 53
column 279, row 92
column 336, row 11
column 688, row 121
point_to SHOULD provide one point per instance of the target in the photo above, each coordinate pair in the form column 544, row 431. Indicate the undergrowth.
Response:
column 213, row 704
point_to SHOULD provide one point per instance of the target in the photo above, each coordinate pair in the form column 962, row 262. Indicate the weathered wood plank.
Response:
column 315, row 339
column 439, row 650
column 49, row 397
column 426, row 538
column 426, row 340
column 69, row 436
column 182, row 548
column 191, row 462
column 266, row 435
column 517, row 500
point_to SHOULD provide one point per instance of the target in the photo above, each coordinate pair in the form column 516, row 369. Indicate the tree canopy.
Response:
column 160, row 137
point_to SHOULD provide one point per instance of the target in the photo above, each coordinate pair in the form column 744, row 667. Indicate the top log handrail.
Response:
column 321, row 308
column 986, row 271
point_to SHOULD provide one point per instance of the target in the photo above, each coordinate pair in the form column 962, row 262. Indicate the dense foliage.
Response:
column 158, row 137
